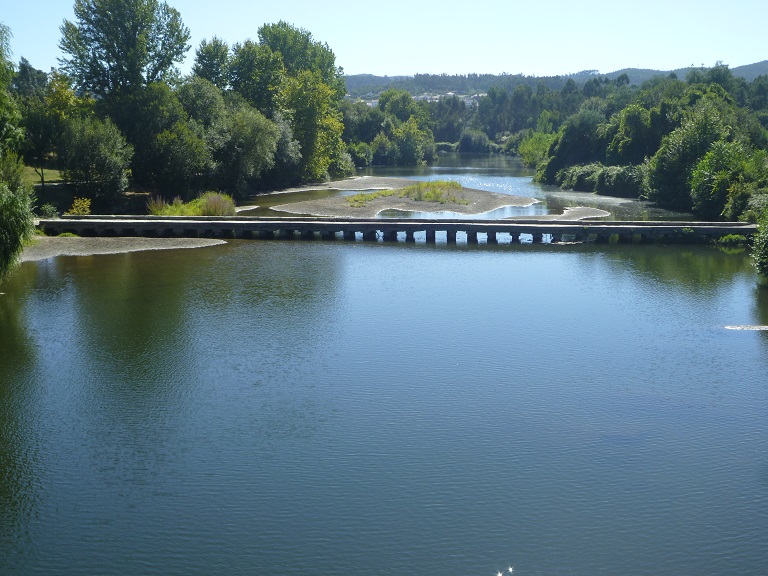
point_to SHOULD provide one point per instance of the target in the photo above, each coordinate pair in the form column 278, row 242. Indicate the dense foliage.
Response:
column 261, row 114
column 15, row 198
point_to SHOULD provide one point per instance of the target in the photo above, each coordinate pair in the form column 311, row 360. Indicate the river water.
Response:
column 271, row 407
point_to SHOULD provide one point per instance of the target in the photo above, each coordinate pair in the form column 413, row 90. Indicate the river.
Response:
column 269, row 407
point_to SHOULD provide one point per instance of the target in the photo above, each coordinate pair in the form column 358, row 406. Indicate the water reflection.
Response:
column 19, row 447
column 263, row 405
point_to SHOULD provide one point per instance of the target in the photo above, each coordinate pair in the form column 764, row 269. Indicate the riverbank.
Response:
column 44, row 247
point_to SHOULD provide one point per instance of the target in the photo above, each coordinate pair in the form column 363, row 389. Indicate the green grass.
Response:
column 51, row 176
column 209, row 204
column 438, row 191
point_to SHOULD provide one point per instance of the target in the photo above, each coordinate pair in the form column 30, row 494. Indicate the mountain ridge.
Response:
column 367, row 85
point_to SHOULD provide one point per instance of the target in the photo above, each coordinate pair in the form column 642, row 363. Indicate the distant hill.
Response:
column 368, row 85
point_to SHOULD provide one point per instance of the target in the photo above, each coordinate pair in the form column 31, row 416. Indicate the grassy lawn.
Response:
column 51, row 176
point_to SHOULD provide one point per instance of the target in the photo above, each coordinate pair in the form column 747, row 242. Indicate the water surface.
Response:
column 270, row 407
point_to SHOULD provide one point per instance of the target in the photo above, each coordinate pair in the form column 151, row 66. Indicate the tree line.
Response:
column 262, row 113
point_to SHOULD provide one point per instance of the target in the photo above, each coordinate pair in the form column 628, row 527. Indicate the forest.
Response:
column 271, row 112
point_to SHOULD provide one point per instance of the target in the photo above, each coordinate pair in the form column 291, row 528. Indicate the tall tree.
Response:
column 257, row 73
column 114, row 45
column 317, row 125
column 300, row 51
column 212, row 62
column 29, row 82
column 10, row 134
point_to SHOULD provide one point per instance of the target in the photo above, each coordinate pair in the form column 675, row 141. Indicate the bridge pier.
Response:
column 409, row 236
column 430, row 236
column 450, row 236
column 308, row 235
column 492, row 239
column 328, row 235
column 390, row 235
column 369, row 236
column 349, row 235
column 471, row 237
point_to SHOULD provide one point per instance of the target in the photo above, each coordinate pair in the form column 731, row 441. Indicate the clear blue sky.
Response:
column 404, row 37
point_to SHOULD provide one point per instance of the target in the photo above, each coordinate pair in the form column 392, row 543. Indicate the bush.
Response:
column 94, row 157
column 533, row 148
column 208, row 204
column 579, row 178
column 361, row 153
column 760, row 249
column 622, row 181
column 16, row 225
column 342, row 166
column 474, row 141
column 48, row 211
column 80, row 207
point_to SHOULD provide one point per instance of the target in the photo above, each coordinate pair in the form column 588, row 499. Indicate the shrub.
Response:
column 80, row 207
column 48, row 211
column 760, row 249
column 622, row 181
column 361, row 153
column 216, row 204
column 15, row 225
column 208, row 204
column 94, row 156
column 474, row 141
column 580, row 178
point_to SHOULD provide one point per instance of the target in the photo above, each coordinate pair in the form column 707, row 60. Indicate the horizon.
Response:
column 587, row 37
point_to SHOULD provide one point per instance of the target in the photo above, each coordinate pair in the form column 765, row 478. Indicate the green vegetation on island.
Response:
column 439, row 191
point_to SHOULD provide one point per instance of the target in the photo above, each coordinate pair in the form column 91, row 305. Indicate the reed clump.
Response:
column 207, row 204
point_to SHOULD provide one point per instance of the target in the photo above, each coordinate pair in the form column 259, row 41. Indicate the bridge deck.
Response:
column 387, row 229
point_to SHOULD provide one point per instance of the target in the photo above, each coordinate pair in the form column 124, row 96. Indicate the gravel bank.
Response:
column 44, row 247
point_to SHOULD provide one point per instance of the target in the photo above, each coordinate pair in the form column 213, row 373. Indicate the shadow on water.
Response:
column 18, row 443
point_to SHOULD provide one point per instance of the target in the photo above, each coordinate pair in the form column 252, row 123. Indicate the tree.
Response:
column 257, row 74
column 141, row 116
column 15, row 225
column 10, row 133
column 29, row 82
column 714, row 176
column 94, row 157
column 182, row 156
column 632, row 141
column 212, row 62
column 114, row 45
column 299, row 52
column 669, row 170
column 397, row 103
column 316, row 124
column 249, row 148
column 760, row 248
column 41, row 131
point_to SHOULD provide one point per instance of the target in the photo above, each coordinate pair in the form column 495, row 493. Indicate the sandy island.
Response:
column 475, row 201
column 44, row 247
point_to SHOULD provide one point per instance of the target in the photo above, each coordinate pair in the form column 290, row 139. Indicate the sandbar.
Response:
column 471, row 201
column 44, row 247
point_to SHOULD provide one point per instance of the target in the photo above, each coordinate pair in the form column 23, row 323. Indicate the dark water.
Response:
column 495, row 173
column 337, row 408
